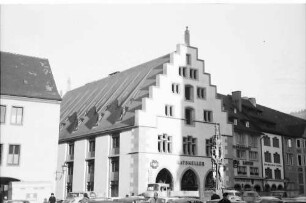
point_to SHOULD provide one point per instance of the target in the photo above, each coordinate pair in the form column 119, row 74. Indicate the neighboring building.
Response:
column 151, row 123
column 281, row 151
column 30, row 111
column 246, row 144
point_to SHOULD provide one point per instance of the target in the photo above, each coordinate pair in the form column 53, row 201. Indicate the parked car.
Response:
column 185, row 200
column 16, row 201
column 131, row 199
column 75, row 197
column 270, row 199
column 251, row 197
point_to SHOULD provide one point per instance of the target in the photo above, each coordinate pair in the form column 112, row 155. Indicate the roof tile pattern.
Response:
column 109, row 103
column 27, row 76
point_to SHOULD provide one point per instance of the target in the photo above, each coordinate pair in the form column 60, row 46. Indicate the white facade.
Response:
column 36, row 136
column 273, row 165
column 162, row 114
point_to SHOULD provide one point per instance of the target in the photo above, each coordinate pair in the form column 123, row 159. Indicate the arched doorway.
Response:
column 189, row 181
column 164, row 176
column 280, row 187
column 273, row 187
column 257, row 188
column 209, row 181
column 267, row 188
column 247, row 187
column 237, row 187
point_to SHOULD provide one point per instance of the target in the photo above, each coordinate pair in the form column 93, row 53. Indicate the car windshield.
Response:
column 251, row 194
column 72, row 195
column 234, row 194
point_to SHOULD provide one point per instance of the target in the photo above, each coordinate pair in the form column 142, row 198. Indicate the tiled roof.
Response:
column 27, row 76
column 109, row 103
column 265, row 119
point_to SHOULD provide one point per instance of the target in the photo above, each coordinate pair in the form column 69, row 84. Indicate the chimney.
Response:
column 236, row 95
column 68, row 85
column 187, row 37
column 253, row 101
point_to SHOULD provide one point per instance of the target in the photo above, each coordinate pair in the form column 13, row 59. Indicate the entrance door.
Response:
column 189, row 181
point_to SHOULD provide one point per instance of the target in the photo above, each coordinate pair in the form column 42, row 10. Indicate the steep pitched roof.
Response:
column 265, row 119
column 27, row 76
column 109, row 103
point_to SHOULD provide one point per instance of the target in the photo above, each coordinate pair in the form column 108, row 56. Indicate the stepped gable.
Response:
column 109, row 103
column 26, row 76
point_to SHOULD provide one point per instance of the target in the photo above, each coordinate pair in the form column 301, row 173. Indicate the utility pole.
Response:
column 218, row 160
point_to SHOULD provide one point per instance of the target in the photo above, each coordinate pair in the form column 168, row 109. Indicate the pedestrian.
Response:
column 52, row 199
column 85, row 198
column 215, row 196
column 155, row 199
column 225, row 198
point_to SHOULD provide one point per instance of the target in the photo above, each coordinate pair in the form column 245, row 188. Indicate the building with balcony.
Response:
column 148, row 124
column 30, row 111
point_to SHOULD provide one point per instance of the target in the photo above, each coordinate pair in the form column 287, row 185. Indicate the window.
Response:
column 242, row 170
column 247, row 124
column 268, row 173
column 115, row 143
column 235, row 110
column 115, row 165
column 289, row 143
column 165, row 143
column 188, row 92
column 254, row 171
column 208, row 146
column 188, row 59
column 241, row 154
column 267, row 141
column 289, row 159
column 253, row 155
column 189, row 145
column 235, row 121
column 276, row 157
column 13, row 155
column 70, row 176
column 207, row 116
column 193, row 73
column 277, row 174
column 275, row 142
column 90, row 176
column 240, row 138
column 253, row 141
column 91, row 148
column 70, row 151
column 298, row 143
column 299, row 160
column 189, row 116
column 168, row 110
column 3, row 113
column 182, row 71
column 267, row 157
column 1, row 148
column 16, row 116
column 201, row 93
column 175, row 88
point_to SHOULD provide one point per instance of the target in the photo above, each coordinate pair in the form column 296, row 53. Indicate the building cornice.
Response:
column 30, row 99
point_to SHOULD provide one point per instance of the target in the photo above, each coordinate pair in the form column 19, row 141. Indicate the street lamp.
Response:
column 64, row 166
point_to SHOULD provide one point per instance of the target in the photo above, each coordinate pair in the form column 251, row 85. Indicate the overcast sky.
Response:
column 256, row 48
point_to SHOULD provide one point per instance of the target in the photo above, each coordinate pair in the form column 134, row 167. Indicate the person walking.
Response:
column 225, row 198
column 155, row 199
column 85, row 198
column 52, row 199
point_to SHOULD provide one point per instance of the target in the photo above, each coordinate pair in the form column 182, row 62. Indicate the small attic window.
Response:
column 188, row 59
column 247, row 124
column 235, row 121
column 235, row 110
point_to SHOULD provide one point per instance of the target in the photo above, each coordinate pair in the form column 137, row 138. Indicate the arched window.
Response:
column 267, row 156
column 268, row 173
column 275, row 142
column 164, row 176
column 189, row 181
column 276, row 157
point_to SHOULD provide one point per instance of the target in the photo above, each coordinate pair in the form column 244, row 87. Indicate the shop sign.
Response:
column 277, row 165
column 247, row 163
column 191, row 163
column 154, row 164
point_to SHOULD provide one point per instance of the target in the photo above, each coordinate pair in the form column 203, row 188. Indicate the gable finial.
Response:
column 187, row 37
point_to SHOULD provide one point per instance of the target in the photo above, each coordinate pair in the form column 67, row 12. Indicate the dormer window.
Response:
column 247, row 124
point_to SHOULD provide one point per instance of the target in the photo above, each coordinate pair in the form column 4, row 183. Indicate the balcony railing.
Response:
column 114, row 176
column 70, row 157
